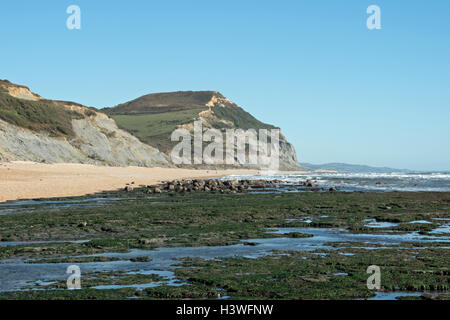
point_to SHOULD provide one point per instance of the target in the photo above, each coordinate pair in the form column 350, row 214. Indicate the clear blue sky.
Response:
column 340, row 92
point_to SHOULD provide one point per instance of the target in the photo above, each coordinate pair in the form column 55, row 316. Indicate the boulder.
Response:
column 82, row 224
column 144, row 241
column 310, row 183
column 157, row 190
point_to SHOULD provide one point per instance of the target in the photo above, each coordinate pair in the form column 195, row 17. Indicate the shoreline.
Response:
column 164, row 231
column 24, row 180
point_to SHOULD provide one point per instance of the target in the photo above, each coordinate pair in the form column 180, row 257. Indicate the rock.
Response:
column 106, row 229
column 297, row 235
column 157, row 190
column 82, row 224
column 379, row 182
column 310, row 183
column 428, row 296
column 144, row 241
column 128, row 188
column 314, row 280
column 332, row 189
column 213, row 183
column 141, row 259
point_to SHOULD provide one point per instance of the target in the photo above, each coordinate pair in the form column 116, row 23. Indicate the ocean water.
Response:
column 381, row 182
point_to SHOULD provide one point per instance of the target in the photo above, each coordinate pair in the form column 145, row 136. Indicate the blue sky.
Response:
column 340, row 92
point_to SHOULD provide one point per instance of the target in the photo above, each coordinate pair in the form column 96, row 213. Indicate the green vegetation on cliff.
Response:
column 152, row 118
column 41, row 116
column 164, row 102
column 239, row 117
column 155, row 129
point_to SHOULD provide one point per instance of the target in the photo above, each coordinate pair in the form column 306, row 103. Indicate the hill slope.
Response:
column 152, row 118
column 35, row 129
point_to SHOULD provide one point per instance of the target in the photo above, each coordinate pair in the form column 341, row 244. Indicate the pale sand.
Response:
column 30, row 180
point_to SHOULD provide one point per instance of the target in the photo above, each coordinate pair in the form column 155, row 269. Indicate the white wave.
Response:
column 434, row 181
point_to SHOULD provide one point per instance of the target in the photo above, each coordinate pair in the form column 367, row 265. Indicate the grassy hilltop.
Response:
column 152, row 118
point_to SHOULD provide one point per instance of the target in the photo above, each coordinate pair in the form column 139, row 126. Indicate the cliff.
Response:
column 35, row 129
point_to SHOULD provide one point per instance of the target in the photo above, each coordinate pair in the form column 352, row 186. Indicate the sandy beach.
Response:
column 29, row 180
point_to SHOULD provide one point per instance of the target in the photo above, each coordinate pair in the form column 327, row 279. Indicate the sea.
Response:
column 367, row 182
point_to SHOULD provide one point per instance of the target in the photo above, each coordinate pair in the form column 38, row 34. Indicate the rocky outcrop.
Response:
column 94, row 138
column 19, row 91
column 97, row 141
column 288, row 156
column 185, row 108
column 225, row 186
column 99, row 138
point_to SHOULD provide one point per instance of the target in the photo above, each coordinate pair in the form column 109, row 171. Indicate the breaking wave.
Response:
column 382, row 182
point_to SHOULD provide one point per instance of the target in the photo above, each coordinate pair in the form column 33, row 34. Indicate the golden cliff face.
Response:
column 218, row 101
column 20, row 92
column 95, row 138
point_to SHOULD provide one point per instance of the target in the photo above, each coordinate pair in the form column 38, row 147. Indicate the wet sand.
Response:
column 30, row 180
